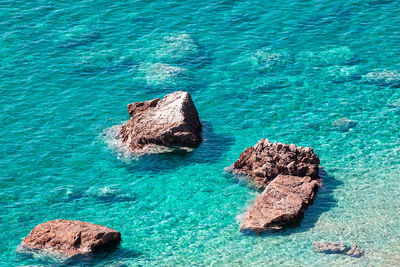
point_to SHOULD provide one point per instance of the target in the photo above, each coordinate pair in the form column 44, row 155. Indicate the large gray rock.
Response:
column 70, row 238
column 262, row 162
column 281, row 204
column 171, row 121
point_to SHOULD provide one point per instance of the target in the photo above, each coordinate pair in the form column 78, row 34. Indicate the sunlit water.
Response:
column 285, row 70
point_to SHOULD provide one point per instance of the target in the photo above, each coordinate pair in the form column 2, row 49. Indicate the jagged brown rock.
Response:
column 171, row 121
column 69, row 238
column 265, row 160
column 281, row 204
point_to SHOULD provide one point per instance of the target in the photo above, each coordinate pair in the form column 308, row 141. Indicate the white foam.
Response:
column 124, row 153
column 112, row 138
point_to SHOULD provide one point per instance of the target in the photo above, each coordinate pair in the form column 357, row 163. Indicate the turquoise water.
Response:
column 256, row 69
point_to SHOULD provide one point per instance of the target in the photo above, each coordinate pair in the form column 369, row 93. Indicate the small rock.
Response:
column 330, row 247
column 70, row 238
column 355, row 251
column 338, row 248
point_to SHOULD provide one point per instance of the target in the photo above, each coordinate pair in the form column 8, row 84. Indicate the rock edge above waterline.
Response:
column 70, row 237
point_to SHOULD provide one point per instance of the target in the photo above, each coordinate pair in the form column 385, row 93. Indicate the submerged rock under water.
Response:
column 344, row 124
column 177, row 47
column 268, row 59
column 159, row 73
column 334, row 56
column 383, row 77
column 338, row 248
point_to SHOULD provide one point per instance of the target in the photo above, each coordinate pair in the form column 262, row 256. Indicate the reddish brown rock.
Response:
column 265, row 160
column 70, row 238
column 281, row 204
column 171, row 121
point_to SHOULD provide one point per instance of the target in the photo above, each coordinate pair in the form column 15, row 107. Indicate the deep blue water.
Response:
column 283, row 70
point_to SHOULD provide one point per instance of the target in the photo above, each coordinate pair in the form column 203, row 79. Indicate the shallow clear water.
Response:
column 256, row 69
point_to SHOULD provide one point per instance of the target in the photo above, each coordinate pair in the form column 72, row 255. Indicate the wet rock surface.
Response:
column 281, row 204
column 70, row 238
column 264, row 161
column 171, row 121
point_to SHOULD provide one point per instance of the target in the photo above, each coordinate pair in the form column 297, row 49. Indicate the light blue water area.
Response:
column 283, row 70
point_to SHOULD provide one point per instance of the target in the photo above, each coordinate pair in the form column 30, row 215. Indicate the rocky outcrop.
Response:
column 338, row 248
column 264, row 161
column 70, row 238
column 171, row 121
column 281, row 204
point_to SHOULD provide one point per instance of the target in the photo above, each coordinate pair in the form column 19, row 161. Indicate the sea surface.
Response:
column 318, row 73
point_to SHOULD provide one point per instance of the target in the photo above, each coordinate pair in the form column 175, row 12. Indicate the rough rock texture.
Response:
column 171, row 121
column 282, row 203
column 330, row 247
column 70, row 238
column 338, row 248
column 355, row 251
column 265, row 160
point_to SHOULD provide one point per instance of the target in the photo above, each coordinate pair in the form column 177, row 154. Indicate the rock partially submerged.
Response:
column 383, row 77
column 171, row 121
column 338, row 248
column 344, row 124
column 330, row 247
column 70, row 238
column 281, row 204
column 264, row 161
